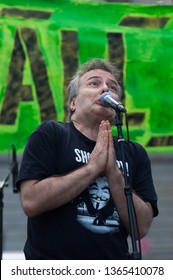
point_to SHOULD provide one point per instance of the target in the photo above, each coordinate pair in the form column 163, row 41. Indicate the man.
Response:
column 71, row 186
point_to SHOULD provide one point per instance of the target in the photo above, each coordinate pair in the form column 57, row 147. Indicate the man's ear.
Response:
column 73, row 104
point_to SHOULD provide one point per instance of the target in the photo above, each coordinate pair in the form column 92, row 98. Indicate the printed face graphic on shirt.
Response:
column 99, row 192
column 95, row 210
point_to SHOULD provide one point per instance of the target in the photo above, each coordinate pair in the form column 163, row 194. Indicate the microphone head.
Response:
column 102, row 97
column 106, row 99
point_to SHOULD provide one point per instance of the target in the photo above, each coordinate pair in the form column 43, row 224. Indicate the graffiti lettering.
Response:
column 16, row 92
column 120, row 40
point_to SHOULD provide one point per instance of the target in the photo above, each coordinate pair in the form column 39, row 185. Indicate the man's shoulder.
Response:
column 130, row 146
column 51, row 129
column 52, row 125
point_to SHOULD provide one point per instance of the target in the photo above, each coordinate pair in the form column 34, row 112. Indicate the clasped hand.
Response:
column 103, row 157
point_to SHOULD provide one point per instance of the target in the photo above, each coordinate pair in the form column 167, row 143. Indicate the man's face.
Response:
column 91, row 85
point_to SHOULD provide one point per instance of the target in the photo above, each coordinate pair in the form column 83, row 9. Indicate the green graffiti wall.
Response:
column 43, row 42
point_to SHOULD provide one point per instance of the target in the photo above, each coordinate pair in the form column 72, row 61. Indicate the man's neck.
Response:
column 89, row 130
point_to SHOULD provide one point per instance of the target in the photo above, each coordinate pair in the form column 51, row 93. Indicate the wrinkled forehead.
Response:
column 98, row 73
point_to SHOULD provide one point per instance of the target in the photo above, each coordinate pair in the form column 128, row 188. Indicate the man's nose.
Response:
column 105, row 88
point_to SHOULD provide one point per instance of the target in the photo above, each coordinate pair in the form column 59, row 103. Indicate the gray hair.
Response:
column 92, row 64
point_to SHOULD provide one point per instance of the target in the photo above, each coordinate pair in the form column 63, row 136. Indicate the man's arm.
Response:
column 40, row 196
column 44, row 195
column 143, row 209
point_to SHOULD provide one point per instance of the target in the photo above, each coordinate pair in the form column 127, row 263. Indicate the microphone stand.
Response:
column 127, row 189
column 13, row 169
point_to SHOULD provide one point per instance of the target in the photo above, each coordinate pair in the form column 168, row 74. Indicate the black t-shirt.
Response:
column 88, row 227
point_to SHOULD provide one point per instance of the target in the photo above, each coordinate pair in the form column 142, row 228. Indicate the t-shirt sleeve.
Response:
column 38, row 157
column 143, row 183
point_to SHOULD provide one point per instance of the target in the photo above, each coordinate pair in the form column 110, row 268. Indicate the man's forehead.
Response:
column 98, row 73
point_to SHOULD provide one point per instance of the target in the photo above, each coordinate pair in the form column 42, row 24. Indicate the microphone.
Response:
column 107, row 100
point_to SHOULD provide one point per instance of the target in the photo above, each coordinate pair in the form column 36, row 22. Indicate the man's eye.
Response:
column 94, row 83
column 113, row 88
